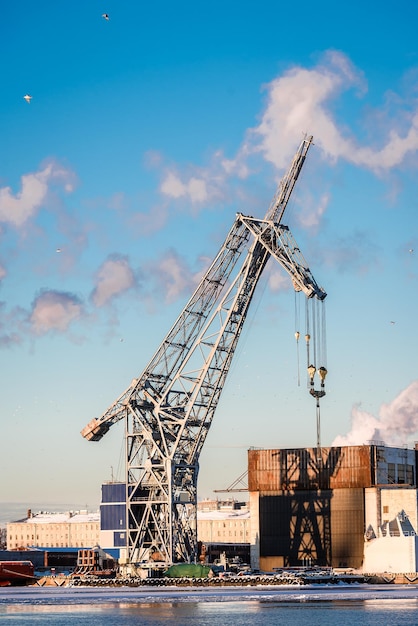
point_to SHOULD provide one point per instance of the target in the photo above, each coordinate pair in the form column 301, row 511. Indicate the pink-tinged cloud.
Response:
column 17, row 208
column 396, row 424
column 10, row 321
column 174, row 278
column 54, row 310
column 145, row 224
column 113, row 278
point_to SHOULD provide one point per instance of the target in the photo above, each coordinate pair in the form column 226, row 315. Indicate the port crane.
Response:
column 169, row 408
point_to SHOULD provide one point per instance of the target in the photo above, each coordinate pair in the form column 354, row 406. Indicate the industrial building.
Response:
column 332, row 506
column 112, row 535
column 353, row 506
column 223, row 530
column 75, row 529
column 222, row 525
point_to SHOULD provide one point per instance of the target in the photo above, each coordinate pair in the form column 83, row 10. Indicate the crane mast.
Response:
column 169, row 409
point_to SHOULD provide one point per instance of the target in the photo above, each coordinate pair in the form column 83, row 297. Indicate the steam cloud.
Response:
column 396, row 424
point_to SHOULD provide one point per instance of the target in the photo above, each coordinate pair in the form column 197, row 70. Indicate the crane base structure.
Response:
column 169, row 408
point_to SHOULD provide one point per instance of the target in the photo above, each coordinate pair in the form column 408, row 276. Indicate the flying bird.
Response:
column 28, row 98
column 105, row 16
column 411, row 250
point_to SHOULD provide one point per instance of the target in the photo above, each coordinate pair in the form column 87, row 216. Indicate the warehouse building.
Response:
column 353, row 506
column 312, row 506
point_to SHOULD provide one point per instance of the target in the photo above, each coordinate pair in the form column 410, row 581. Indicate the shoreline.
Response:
column 284, row 593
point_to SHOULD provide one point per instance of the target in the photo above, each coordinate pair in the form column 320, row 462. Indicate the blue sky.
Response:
column 145, row 134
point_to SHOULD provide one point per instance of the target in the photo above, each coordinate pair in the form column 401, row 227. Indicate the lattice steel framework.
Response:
column 170, row 407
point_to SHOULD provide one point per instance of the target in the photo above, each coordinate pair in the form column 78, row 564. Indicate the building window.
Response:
column 401, row 474
column 391, row 473
column 385, row 509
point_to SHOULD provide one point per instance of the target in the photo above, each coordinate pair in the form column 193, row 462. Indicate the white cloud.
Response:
column 303, row 100
column 312, row 101
column 54, row 310
column 392, row 153
column 278, row 280
column 17, row 208
column 300, row 101
column 237, row 166
column 172, row 186
column 114, row 277
column 397, row 422
column 310, row 216
column 195, row 189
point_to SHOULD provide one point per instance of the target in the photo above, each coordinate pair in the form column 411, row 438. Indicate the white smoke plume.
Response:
column 396, row 424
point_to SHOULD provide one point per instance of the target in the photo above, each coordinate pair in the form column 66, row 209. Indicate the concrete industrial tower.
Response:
column 169, row 408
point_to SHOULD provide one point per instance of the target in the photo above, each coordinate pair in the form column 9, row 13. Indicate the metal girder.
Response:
column 170, row 407
column 279, row 242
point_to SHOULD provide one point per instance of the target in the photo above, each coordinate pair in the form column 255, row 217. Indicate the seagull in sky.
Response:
column 105, row 16
column 28, row 98
column 411, row 250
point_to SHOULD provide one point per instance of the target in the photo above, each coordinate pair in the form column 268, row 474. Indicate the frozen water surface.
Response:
column 362, row 605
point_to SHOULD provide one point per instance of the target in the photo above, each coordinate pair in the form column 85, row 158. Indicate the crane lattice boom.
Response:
column 170, row 407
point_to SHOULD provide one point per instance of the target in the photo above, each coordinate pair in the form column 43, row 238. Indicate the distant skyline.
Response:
column 144, row 135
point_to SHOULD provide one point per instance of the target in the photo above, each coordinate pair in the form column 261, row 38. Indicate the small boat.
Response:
column 16, row 573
